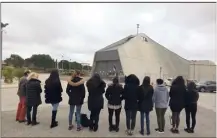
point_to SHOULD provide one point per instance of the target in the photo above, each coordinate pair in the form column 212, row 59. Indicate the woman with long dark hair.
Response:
column 177, row 101
column 96, row 88
column 114, row 95
column 53, row 94
column 145, row 103
column 130, row 95
column 191, row 99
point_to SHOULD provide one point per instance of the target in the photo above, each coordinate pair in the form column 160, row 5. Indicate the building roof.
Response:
column 202, row 62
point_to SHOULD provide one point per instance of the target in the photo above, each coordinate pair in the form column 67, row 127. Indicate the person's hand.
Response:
column 69, row 79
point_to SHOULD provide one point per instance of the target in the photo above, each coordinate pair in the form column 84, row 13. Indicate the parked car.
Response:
column 168, row 81
column 206, row 86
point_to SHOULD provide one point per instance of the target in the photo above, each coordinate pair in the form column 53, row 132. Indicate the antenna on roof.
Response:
column 137, row 28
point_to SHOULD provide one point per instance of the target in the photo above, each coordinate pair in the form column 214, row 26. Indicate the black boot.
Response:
column 54, row 123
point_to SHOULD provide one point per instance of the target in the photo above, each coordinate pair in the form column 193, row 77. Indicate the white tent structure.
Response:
column 140, row 55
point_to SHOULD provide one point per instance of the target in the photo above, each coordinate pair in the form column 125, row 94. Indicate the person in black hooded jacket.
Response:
column 96, row 88
column 177, row 101
column 114, row 95
column 130, row 95
column 33, row 97
column 191, row 99
column 145, row 103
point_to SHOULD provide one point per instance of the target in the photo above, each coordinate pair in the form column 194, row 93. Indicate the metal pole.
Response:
column 62, row 62
column 70, row 64
column 160, row 72
column 137, row 29
column 194, row 70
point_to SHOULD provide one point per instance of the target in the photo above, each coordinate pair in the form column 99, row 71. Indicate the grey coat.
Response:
column 21, row 87
column 161, row 96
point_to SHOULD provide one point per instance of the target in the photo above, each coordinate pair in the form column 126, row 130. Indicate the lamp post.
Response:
column 2, row 26
column 194, row 61
column 62, row 62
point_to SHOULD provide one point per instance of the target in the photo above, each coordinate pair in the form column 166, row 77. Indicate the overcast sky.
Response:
column 78, row 30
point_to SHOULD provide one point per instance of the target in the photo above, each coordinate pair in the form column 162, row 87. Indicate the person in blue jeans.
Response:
column 145, row 103
column 53, row 94
column 76, row 99
column 130, row 95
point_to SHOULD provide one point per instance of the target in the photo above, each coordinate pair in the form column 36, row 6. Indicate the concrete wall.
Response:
column 202, row 72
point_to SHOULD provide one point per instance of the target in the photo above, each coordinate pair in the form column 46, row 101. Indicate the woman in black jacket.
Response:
column 96, row 88
column 191, row 99
column 76, row 99
column 177, row 101
column 33, row 97
column 130, row 95
column 53, row 94
column 114, row 95
column 145, row 103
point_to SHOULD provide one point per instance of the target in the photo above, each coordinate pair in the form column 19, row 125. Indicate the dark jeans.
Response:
column 160, row 118
column 191, row 110
column 34, row 113
column 117, row 116
column 145, row 115
column 131, row 119
column 94, row 118
column 175, row 119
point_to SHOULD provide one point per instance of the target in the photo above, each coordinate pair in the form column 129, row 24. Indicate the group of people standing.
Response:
column 142, row 98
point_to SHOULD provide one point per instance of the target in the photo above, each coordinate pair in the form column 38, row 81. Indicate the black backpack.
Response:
column 85, row 122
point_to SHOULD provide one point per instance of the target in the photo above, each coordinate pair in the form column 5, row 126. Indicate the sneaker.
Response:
column 131, row 132
column 156, row 129
column 186, row 130
column 35, row 123
column 191, row 130
column 161, row 131
column 148, row 133
column 172, row 130
column 127, row 132
column 176, row 131
column 117, row 129
column 110, row 129
column 70, row 127
column 141, row 132
column 79, row 128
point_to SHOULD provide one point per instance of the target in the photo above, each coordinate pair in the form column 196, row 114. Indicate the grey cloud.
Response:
column 78, row 30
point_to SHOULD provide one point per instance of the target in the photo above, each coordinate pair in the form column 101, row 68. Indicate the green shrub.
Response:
column 18, row 72
column 8, row 74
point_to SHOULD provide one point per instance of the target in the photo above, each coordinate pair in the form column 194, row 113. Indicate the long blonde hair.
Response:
column 33, row 75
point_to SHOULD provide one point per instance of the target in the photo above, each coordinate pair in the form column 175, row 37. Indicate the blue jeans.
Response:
column 145, row 115
column 78, row 114
column 55, row 106
column 130, row 119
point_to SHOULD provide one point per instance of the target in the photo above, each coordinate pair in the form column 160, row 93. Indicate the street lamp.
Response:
column 62, row 62
column 2, row 26
column 194, row 61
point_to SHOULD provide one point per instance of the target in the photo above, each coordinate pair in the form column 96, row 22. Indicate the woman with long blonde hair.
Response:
column 33, row 97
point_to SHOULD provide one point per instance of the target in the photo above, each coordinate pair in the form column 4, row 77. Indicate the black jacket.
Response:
column 177, row 96
column 95, row 97
column 22, row 87
column 33, row 92
column 130, row 94
column 114, row 94
column 53, row 92
column 76, row 93
column 191, row 97
column 145, row 98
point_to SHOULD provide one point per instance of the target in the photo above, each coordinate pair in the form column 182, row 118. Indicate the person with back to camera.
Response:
column 96, row 88
column 177, row 101
column 53, row 94
column 145, row 103
column 192, row 97
column 76, row 99
column 130, row 95
column 114, row 95
column 160, row 99
column 21, row 110
column 33, row 98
